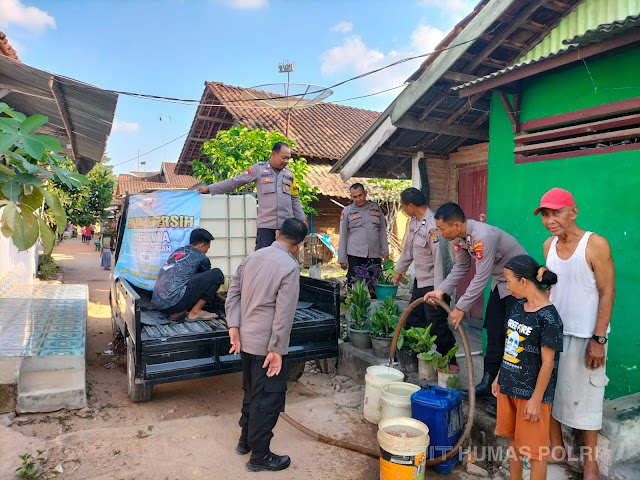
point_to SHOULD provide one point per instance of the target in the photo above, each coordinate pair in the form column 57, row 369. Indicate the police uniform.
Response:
column 492, row 248
column 261, row 302
column 277, row 198
column 363, row 236
column 422, row 246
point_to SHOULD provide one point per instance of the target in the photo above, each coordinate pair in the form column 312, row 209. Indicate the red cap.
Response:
column 554, row 199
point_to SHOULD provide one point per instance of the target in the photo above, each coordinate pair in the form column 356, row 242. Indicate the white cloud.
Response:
column 342, row 27
column 354, row 57
column 454, row 10
column 248, row 4
column 31, row 18
column 124, row 127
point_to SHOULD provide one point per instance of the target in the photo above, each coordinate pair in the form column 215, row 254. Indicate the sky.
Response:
column 170, row 48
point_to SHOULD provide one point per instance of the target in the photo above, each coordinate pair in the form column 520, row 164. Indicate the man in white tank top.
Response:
column 584, row 298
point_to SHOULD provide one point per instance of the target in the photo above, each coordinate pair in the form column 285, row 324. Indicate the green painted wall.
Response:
column 606, row 189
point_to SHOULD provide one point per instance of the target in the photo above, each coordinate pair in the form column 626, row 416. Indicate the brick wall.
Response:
column 328, row 214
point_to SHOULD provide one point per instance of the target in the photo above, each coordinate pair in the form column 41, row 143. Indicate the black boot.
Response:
column 483, row 389
column 243, row 445
column 268, row 463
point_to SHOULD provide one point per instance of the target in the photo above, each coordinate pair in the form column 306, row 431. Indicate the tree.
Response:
column 26, row 161
column 386, row 192
column 87, row 205
column 232, row 151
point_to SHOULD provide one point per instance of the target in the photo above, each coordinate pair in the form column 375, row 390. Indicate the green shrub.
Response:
column 47, row 268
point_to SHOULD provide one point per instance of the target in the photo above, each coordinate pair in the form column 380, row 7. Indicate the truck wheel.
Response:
column 294, row 371
column 138, row 392
column 117, row 334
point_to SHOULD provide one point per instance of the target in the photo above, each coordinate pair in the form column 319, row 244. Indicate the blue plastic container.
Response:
column 441, row 410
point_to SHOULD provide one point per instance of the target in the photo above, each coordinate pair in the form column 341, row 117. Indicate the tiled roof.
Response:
column 137, row 187
column 324, row 131
column 175, row 180
column 330, row 184
column 5, row 47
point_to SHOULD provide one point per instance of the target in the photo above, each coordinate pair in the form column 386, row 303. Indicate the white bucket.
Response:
column 402, row 457
column 395, row 399
column 376, row 377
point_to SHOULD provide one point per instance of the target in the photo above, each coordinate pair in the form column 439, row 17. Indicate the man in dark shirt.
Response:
column 186, row 282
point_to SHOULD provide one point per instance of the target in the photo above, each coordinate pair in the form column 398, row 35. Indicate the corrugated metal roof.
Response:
column 514, row 68
column 90, row 110
column 604, row 31
column 589, row 14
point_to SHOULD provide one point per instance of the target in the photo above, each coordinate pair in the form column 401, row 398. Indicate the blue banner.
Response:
column 157, row 224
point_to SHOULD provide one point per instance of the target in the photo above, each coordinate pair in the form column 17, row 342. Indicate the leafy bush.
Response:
column 47, row 268
column 31, row 468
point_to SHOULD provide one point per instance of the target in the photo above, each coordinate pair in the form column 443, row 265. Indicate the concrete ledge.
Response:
column 51, row 390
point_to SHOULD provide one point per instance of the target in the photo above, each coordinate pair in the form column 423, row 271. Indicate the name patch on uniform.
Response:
column 433, row 233
column 478, row 247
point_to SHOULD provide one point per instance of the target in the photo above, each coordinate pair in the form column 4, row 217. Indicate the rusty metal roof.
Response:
column 80, row 115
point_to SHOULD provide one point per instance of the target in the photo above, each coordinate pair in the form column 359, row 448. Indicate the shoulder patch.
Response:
column 433, row 234
column 295, row 190
column 248, row 171
column 478, row 247
column 456, row 247
column 342, row 216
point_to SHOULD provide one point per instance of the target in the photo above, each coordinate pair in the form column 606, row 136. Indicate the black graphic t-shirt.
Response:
column 527, row 332
column 172, row 280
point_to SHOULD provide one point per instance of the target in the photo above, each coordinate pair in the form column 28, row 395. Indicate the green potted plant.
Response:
column 383, row 325
column 447, row 373
column 358, row 302
column 384, row 285
column 425, row 348
column 406, row 354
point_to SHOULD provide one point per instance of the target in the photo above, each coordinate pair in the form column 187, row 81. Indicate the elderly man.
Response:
column 277, row 192
column 491, row 248
column 584, row 298
column 422, row 247
column 260, row 307
column 363, row 232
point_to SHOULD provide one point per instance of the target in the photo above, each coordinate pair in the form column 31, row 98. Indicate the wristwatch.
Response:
column 600, row 339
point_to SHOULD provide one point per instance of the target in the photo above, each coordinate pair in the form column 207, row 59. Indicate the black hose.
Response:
column 375, row 453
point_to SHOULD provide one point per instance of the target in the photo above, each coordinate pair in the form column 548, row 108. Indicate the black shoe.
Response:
column 268, row 463
column 483, row 389
column 243, row 447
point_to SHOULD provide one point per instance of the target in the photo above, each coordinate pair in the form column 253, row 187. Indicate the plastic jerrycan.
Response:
column 440, row 409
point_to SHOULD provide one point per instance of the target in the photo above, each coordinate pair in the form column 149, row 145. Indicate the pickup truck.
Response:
column 162, row 351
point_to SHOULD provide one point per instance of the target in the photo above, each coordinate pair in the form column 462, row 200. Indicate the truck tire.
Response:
column 138, row 392
column 117, row 334
column 294, row 371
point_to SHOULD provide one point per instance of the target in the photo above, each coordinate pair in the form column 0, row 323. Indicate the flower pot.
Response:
column 383, row 291
column 449, row 380
column 360, row 338
column 426, row 371
column 381, row 346
column 408, row 360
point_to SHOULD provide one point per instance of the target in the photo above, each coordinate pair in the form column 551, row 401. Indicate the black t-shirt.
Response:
column 527, row 332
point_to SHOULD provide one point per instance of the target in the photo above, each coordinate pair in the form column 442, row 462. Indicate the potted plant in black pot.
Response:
column 406, row 354
column 383, row 325
column 358, row 302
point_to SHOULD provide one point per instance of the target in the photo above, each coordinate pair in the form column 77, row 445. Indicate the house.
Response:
column 522, row 97
column 322, row 132
column 136, row 182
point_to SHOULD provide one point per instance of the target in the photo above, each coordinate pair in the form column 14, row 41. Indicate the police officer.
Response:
column 277, row 192
column 422, row 247
column 260, row 306
column 491, row 248
column 363, row 232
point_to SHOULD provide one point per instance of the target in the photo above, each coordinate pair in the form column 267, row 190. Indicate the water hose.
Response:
column 376, row 453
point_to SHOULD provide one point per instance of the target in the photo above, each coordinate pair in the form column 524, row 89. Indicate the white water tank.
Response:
column 231, row 219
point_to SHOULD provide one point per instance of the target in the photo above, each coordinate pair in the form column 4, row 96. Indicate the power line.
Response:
column 150, row 151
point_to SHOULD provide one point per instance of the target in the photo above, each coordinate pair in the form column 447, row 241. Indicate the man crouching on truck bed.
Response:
column 261, row 303
column 187, row 282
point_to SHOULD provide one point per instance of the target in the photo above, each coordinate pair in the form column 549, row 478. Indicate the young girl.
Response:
column 526, row 382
